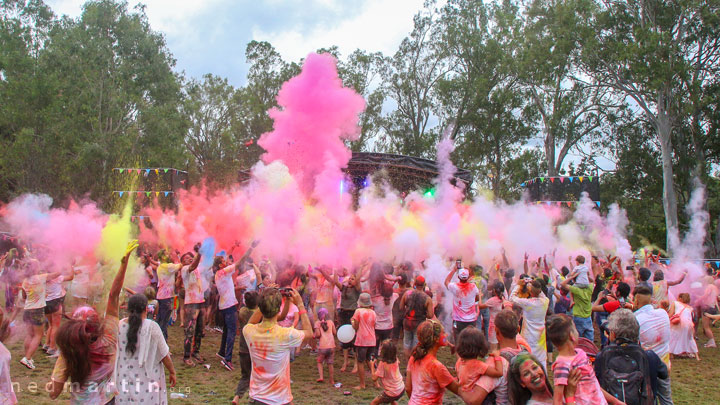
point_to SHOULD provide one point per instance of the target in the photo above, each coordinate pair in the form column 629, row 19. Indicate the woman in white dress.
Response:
column 142, row 352
column 682, row 343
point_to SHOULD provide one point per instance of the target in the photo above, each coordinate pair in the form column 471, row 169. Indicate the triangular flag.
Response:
column 571, row 179
column 147, row 193
column 138, row 171
column 121, row 170
column 598, row 203
column 166, row 193
column 562, row 179
column 542, row 179
column 139, row 193
column 166, row 170
column 547, row 202
column 157, row 193
column 147, row 171
column 569, row 203
column 717, row 264
column 581, row 179
column 522, row 184
column 121, row 193
column 132, row 218
column 141, row 217
column 590, row 178
column 156, row 171
column 582, row 227
column 559, row 203
column 552, row 179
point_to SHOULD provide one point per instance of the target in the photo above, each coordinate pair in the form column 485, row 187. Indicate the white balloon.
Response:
column 346, row 333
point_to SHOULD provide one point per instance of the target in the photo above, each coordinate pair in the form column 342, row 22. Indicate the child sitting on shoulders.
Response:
column 581, row 273
column 471, row 348
column 388, row 372
column 562, row 333
column 325, row 332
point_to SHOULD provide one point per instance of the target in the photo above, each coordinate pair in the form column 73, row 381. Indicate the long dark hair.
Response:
column 74, row 339
column 520, row 395
column 137, row 304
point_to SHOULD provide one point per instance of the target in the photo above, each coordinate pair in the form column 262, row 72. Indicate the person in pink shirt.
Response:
column 388, row 372
column 325, row 333
column 363, row 321
column 465, row 299
column 427, row 378
column 562, row 334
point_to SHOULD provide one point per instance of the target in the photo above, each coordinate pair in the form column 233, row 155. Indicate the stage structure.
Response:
column 404, row 173
column 563, row 190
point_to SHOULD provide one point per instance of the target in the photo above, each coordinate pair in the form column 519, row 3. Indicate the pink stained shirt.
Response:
column 383, row 311
column 7, row 395
column 429, row 378
column 166, row 280
column 269, row 347
column 290, row 317
column 327, row 337
column 193, row 286
column 390, row 378
column 365, row 318
column 464, row 301
column 588, row 390
column 226, row 287
column 469, row 372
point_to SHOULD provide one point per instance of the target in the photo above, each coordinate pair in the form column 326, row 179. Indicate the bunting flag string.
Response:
column 561, row 203
column 561, row 178
column 141, row 192
column 147, row 170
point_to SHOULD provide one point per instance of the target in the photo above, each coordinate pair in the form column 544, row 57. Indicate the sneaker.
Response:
column 52, row 353
column 217, row 329
column 27, row 363
column 220, row 356
column 228, row 365
column 45, row 348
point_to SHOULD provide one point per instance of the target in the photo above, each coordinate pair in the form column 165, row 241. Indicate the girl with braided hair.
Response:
column 427, row 378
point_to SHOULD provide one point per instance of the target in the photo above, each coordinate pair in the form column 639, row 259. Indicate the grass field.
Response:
column 692, row 381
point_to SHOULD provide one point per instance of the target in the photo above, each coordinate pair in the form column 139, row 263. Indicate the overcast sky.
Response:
column 209, row 36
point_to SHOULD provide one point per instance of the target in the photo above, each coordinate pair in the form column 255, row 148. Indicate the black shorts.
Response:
column 364, row 352
column 53, row 306
column 344, row 317
column 710, row 310
column 458, row 326
column 35, row 317
column 384, row 398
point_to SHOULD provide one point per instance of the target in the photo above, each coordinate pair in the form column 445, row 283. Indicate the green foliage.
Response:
column 83, row 96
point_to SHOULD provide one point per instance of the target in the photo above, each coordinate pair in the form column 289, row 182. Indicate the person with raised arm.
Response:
column 88, row 347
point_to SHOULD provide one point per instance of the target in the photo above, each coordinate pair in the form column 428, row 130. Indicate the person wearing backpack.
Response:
column 623, row 368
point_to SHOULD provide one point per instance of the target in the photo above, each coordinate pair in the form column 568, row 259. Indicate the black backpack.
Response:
column 624, row 372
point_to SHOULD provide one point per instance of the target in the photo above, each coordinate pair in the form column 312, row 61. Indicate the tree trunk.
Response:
column 664, row 128
column 550, row 151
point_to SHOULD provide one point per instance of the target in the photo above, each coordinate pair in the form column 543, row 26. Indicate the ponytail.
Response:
column 324, row 325
column 428, row 334
column 137, row 304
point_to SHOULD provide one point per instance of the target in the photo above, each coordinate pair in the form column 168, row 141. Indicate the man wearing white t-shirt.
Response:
column 465, row 299
column 270, row 346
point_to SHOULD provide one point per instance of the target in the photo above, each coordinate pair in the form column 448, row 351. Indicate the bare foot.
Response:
column 319, row 380
column 354, row 370
column 236, row 400
column 359, row 387
column 343, row 368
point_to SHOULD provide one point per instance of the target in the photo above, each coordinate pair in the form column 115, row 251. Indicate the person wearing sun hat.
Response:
column 465, row 299
column 363, row 321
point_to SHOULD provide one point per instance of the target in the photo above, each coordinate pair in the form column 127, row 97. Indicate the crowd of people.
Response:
column 509, row 330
